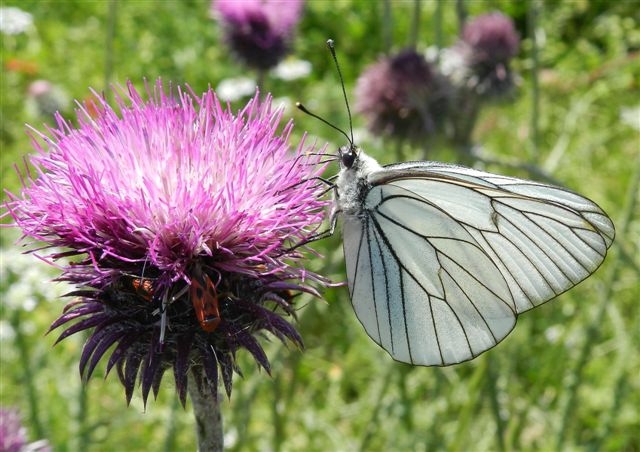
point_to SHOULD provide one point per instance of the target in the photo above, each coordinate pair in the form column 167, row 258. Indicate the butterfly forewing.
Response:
column 441, row 258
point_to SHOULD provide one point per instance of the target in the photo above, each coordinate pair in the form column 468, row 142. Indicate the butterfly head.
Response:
column 348, row 154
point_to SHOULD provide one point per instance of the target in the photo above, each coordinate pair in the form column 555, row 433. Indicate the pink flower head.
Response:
column 258, row 31
column 182, row 217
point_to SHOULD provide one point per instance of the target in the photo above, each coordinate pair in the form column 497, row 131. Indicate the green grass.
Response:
column 565, row 379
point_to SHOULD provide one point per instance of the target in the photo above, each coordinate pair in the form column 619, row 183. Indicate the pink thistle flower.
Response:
column 181, row 218
column 259, row 32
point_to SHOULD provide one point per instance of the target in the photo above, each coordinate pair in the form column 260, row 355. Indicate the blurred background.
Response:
column 558, row 100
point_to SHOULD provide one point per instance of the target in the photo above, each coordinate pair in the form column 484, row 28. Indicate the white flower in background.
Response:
column 231, row 89
column 292, row 69
column 14, row 21
column 23, row 284
column 554, row 333
column 450, row 62
column 7, row 332
column 631, row 116
column 285, row 104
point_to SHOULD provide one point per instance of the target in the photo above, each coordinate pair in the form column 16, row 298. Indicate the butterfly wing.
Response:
column 442, row 258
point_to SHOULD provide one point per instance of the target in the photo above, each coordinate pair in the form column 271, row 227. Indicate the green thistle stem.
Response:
column 415, row 25
column 533, row 13
column 109, row 55
column 206, row 409
column 387, row 26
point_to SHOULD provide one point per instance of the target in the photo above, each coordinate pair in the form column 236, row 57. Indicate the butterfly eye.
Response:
column 347, row 156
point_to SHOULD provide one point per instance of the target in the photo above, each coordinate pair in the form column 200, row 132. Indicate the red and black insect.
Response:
column 204, row 298
column 143, row 287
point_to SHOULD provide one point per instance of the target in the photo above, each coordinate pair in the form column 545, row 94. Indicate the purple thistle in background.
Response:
column 13, row 435
column 402, row 97
column 479, row 61
column 478, row 69
column 179, row 218
column 259, row 32
column 492, row 37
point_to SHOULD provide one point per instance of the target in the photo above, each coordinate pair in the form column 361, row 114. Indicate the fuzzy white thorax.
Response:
column 353, row 183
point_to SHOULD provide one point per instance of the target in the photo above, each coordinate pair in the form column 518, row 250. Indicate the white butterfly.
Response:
column 441, row 258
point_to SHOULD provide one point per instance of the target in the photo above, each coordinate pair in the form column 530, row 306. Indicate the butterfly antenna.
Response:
column 332, row 49
column 320, row 118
